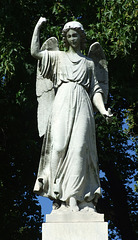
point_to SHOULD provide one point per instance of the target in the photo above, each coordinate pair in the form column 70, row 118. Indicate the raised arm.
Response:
column 35, row 43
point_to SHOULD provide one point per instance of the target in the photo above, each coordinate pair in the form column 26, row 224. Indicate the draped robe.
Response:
column 69, row 164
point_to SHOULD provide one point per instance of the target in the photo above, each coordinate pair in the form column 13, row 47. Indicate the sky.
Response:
column 46, row 206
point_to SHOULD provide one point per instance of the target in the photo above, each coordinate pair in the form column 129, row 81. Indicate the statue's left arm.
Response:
column 99, row 104
column 97, row 94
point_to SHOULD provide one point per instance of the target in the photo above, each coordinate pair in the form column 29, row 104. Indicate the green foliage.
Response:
column 118, row 161
column 131, row 116
column 116, row 26
column 20, row 213
column 113, row 24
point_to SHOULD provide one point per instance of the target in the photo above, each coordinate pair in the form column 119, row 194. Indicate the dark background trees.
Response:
column 113, row 24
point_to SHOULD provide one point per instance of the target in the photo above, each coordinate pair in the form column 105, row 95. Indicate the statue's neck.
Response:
column 74, row 56
column 74, row 50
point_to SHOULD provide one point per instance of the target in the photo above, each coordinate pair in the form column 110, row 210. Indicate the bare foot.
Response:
column 87, row 207
column 73, row 205
column 63, row 206
column 55, row 206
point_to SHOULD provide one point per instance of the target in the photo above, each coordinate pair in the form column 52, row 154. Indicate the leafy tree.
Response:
column 113, row 24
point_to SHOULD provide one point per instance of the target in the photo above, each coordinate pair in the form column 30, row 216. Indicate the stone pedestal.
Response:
column 75, row 226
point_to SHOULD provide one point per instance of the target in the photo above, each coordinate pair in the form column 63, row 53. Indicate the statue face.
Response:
column 73, row 39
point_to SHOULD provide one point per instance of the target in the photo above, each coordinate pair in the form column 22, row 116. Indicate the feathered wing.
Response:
column 101, row 71
column 44, row 90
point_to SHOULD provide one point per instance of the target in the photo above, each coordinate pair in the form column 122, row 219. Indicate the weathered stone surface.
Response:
column 74, row 217
column 75, row 226
column 68, row 82
column 75, row 231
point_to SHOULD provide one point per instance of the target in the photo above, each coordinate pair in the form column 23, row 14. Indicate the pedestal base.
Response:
column 75, row 226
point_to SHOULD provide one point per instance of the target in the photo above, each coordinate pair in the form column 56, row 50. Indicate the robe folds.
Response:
column 68, row 164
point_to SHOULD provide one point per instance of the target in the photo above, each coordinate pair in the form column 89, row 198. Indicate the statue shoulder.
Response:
column 56, row 54
column 90, row 62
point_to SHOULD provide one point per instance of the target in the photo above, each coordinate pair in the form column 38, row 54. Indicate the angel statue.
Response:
column 68, row 86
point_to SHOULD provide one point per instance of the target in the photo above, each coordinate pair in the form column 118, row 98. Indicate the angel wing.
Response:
column 44, row 90
column 97, row 54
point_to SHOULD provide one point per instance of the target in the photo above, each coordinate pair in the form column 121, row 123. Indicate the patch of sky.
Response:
column 46, row 205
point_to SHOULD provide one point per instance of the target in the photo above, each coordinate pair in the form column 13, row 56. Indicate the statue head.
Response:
column 76, row 26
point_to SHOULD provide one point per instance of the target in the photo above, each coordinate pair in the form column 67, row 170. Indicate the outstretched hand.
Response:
column 108, row 115
column 41, row 21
